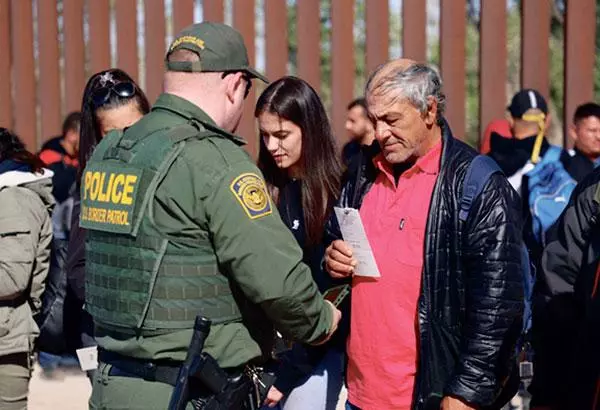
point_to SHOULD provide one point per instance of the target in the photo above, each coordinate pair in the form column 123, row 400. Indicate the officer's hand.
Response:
column 336, row 317
column 452, row 403
column 274, row 396
column 339, row 261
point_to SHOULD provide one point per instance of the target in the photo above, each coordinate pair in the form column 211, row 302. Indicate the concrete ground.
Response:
column 69, row 389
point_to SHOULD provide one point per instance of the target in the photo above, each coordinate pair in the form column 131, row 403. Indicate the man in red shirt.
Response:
column 438, row 328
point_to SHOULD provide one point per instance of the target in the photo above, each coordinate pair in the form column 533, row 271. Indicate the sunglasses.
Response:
column 245, row 77
column 101, row 96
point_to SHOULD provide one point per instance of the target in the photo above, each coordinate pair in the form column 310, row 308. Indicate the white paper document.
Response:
column 354, row 235
column 88, row 358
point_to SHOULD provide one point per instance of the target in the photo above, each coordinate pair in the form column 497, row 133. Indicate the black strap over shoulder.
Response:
column 479, row 172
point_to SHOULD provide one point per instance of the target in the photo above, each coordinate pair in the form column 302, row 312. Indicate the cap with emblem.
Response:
column 526, row 100
column 220, row 47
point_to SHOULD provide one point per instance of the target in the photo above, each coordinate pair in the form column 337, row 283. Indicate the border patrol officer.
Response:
column 179, row 224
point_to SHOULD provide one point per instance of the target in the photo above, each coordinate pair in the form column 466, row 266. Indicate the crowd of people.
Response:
column 139, row 220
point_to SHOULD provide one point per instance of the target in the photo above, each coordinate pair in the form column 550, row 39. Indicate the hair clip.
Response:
column 106, row 78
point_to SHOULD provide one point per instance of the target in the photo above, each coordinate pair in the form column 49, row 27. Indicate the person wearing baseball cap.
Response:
column 525, row 100
column 183, row 231
column 219, row 48
column 529, row 119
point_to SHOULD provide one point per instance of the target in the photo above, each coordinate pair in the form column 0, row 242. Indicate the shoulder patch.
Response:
column 250, row 191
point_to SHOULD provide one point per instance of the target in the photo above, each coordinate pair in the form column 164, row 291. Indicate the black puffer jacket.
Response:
column 566, row 309
column 471, row 303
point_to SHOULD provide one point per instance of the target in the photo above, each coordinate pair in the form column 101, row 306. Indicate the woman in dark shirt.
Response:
column 301, row 164
column 111, row 100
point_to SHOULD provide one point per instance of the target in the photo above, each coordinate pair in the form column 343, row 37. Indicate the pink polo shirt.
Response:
column 382, row 347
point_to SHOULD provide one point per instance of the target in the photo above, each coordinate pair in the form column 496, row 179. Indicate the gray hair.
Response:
column 415, row 83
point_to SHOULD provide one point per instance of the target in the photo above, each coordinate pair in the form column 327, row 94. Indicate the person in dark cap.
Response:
column 534, row 167
column 529, row 119
column 179, row 224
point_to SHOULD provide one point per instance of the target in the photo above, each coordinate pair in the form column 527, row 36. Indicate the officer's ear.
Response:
column 235, row 84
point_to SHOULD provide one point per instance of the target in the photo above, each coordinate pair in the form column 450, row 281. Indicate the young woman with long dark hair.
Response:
column 111, row 100
column 301, row 165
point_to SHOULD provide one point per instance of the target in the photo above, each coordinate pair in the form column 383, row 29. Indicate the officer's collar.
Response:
column 191, row 112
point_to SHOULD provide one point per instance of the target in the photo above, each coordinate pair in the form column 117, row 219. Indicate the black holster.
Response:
column 236, row 393
column 204, row 383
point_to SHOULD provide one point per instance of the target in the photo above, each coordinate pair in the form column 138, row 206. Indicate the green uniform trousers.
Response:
column 15, row 372
column 122, row 393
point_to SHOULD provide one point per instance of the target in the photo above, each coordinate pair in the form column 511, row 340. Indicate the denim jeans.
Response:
column 321, row 389
column 350, row 406
column 50, row 361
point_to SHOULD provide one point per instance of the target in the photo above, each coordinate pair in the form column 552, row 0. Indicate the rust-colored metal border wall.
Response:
column 34, row 104
column 342, row 64
column 24, row 91
column 127, row 49
column 243, row 20
column 74, row 53
column 378, row 34
column 414, row 40
column 580, row 52
column 452, row 62
column 99, row 43
column 276, row 38
column 49, row 87
column 492, row 62
column 183, row 14
column 309, row 42
column 214, row 10
column 535, row 31
column 6, row 105
column 154, row 29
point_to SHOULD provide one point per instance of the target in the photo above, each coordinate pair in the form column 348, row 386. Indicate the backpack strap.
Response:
column 552, row 154
column 478, row 173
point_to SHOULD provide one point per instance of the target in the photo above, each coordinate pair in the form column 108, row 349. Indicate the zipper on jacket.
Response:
column 354, row 203
column 596, row 280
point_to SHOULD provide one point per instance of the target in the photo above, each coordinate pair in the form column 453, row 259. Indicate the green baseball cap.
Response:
column 220, row 48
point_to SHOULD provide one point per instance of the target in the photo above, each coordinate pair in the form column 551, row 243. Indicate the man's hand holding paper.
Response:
column 338, row 260
column 353, row 255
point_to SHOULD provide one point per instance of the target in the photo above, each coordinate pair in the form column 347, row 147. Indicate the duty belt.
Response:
column 163, row 371
column 167, row 371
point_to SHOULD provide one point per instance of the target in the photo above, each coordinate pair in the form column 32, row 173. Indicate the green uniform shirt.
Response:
column 211, row 190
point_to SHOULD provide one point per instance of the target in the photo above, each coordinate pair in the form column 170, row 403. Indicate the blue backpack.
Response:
column 479, row 172
column 550, row 187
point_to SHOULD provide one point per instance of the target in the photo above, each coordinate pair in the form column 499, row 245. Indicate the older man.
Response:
column 438, row 328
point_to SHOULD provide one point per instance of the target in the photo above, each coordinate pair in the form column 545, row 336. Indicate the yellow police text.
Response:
column 115, row 188
column 105, row 216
